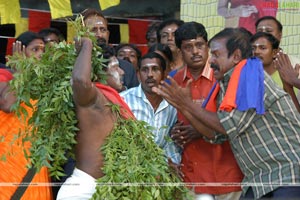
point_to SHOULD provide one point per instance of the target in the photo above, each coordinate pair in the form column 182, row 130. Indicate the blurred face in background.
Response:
column 167, row 36
column 51, row 39
column 269, row 26
column 35, row 48
column 129, row 54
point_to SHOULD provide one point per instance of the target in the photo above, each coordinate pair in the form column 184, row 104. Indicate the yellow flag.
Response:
column 10, row 12
column 108, row 3
column 71, row 32
column 124, row 33
column 21, row 26
column 60, row 8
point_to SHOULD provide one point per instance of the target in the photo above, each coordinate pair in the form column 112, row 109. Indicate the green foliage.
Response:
column 135, row 167
column 47, row 81
column 130, row 153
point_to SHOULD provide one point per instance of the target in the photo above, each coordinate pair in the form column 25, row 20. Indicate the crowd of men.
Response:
column 224, row 109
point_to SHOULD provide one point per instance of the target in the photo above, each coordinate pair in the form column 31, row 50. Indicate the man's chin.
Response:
column 101, row 43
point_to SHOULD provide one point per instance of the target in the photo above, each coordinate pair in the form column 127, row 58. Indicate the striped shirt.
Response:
column 162, row 119
column 267, row 147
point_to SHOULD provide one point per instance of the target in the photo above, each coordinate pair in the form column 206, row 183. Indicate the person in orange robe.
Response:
column 13, row 163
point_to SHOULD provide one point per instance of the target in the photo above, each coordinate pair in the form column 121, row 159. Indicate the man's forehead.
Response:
column 170, row 28
column 198, row 39
column 217, row 44
column 127, row 49
column 95, row 20
column 260, row 41
column 150, row 62
column 37, row 43
column 267, row 24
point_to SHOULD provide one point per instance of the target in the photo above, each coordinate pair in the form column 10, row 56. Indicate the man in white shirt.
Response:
column 152, row 108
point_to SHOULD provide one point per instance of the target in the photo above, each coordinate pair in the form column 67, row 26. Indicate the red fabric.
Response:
column 5, row 75
column 204, row 162
column 14, row 168
column 264, row 7
column 38, row 20
column 137, row 31
column 143, row 49
column 113, row 96
column 10, row 42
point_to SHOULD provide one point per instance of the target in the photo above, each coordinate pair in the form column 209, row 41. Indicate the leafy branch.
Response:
column 45, row 86
column 136, row 167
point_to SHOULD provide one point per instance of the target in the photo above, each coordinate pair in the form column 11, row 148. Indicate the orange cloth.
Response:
column 229, row 101
column 204, row 162
column 14, row 168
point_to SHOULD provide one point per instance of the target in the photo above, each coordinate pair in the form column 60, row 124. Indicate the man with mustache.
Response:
column 202, row 162
column 97, row 23
column 258, row 118
column 152, row 108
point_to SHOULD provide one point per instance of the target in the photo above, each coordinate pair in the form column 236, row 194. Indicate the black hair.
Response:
column 279, row 25
column 235, row 39
column 273, row 40
column 134, row 47
column 92, row 12
column 107, row 51
column 47, row 31
column 165, row 49
column 189, row 30
column 28, row 37
column 152, row 28
column 246, row 31
column 154, row 55
column 167, row 23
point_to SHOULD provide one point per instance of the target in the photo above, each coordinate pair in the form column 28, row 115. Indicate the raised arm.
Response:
column 84, row 91
column 288, row 75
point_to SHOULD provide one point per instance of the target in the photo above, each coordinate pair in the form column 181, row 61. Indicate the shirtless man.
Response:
column 96, row 121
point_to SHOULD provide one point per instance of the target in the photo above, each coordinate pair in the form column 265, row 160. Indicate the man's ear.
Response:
column 237, row 56
column 274, row 53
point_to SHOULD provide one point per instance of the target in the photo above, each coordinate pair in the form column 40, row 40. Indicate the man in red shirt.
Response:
column 202, row 162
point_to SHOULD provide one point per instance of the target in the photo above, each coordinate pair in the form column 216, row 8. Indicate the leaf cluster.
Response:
column 136, row 167
column 45, row 86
